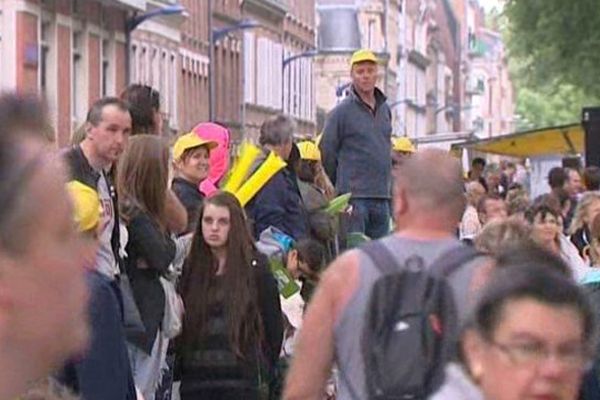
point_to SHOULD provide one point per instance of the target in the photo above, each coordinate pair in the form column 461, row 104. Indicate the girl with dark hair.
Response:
column 232, row 330
column 144, row 107
column 546, row 222
column 142, row 187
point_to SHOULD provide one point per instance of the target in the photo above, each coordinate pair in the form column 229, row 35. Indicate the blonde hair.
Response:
column 582, row 210
column 499, row 234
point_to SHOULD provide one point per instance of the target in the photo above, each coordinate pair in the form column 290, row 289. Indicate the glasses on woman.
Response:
column 533, row 353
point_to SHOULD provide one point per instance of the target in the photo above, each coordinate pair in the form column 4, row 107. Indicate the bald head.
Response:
column 431, row 182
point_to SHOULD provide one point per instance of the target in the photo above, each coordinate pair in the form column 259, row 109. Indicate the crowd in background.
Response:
column 128, row 271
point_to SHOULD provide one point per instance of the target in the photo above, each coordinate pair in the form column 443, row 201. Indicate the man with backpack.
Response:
column 387, row 313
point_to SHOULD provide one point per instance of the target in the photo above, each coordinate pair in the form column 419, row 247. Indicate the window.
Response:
column 269, row 77
column 76, row 7
column 1, row 44
column 133, row 68
column 106, row 78
column 371, row 34
column 77, row 83
column 173, row 96
column 164, row 88
column 44, row 57
column 155, row 81
column 249, row 68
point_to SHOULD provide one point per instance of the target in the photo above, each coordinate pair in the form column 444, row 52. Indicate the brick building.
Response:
column 430, row 63
column 74, row 51
column 70, row 51
column 286, row 28
column 486, row 89
column 155, row 60
column 345, row 26
column 193, row 94
column 250, row 84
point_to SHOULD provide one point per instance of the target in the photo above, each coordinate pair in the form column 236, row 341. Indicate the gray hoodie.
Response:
column 356, row 147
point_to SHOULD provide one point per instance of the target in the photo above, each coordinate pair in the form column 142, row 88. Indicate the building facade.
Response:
column 487, row 89
column 445, row 71
column 429, row 84
column 286, row 29
column 155, row 60
column 250, row 82
column 71, row 52
column 345, row 26
column 74, row 51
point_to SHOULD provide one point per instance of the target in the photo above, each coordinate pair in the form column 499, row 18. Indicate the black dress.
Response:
column 211, row 370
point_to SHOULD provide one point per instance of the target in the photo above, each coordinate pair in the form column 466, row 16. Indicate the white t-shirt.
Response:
column 470, row 225
column 105, row 259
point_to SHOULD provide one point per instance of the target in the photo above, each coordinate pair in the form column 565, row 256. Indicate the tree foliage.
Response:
column 558, row 41
column 554, row 56
column 542, row 107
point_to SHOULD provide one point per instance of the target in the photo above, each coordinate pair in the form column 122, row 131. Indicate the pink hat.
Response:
column 219, row 157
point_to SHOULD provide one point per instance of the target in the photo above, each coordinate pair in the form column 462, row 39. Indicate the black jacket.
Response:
column 81, row 170
column 191, row 198
column 150, row 246
column 581, row 239
column 210, row 365
column 104, row 372
column 280, row 205
column 79, row 167
column 356, row 147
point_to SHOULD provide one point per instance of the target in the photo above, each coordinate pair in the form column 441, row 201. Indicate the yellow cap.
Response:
column 309, row 151
column 189, row 141
column 86, row 205
column 403, row 144
column 363, row 55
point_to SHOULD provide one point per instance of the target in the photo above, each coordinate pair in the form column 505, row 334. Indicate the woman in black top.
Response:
column 143, row 178
column 232, row 329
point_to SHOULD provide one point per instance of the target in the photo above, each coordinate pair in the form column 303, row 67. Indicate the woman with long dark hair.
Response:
column 232, row 330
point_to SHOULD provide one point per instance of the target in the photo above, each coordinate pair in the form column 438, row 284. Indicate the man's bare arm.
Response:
column 314, row 351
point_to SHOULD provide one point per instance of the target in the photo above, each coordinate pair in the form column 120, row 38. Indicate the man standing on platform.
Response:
column 356, row 148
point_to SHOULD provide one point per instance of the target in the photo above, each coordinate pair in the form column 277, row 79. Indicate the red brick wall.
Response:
column 27, row 56
column 94, row 68
column 92, row 11
column 63, row 7
column 64, row 84
column 193, row 89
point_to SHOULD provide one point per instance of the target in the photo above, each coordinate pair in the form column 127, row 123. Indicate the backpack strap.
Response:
column 382, row 257
column 451, row 261
column 384, row 261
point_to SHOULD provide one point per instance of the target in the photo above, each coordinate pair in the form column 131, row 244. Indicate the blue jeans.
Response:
column 370, row 216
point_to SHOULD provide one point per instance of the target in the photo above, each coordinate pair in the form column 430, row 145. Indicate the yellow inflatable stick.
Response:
column 248, row 154
column 263, row 174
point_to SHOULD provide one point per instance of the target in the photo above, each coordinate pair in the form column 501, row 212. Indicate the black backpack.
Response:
column 411, row 325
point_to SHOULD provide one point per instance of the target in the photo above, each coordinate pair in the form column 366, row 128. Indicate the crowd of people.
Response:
column 142, row 276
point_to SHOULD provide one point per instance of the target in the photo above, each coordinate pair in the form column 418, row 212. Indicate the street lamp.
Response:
column 215, row 35
column 132, row 23
column 306, row 54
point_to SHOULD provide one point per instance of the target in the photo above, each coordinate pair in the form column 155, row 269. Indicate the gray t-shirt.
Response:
column 349, row 327
column 105, row 259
